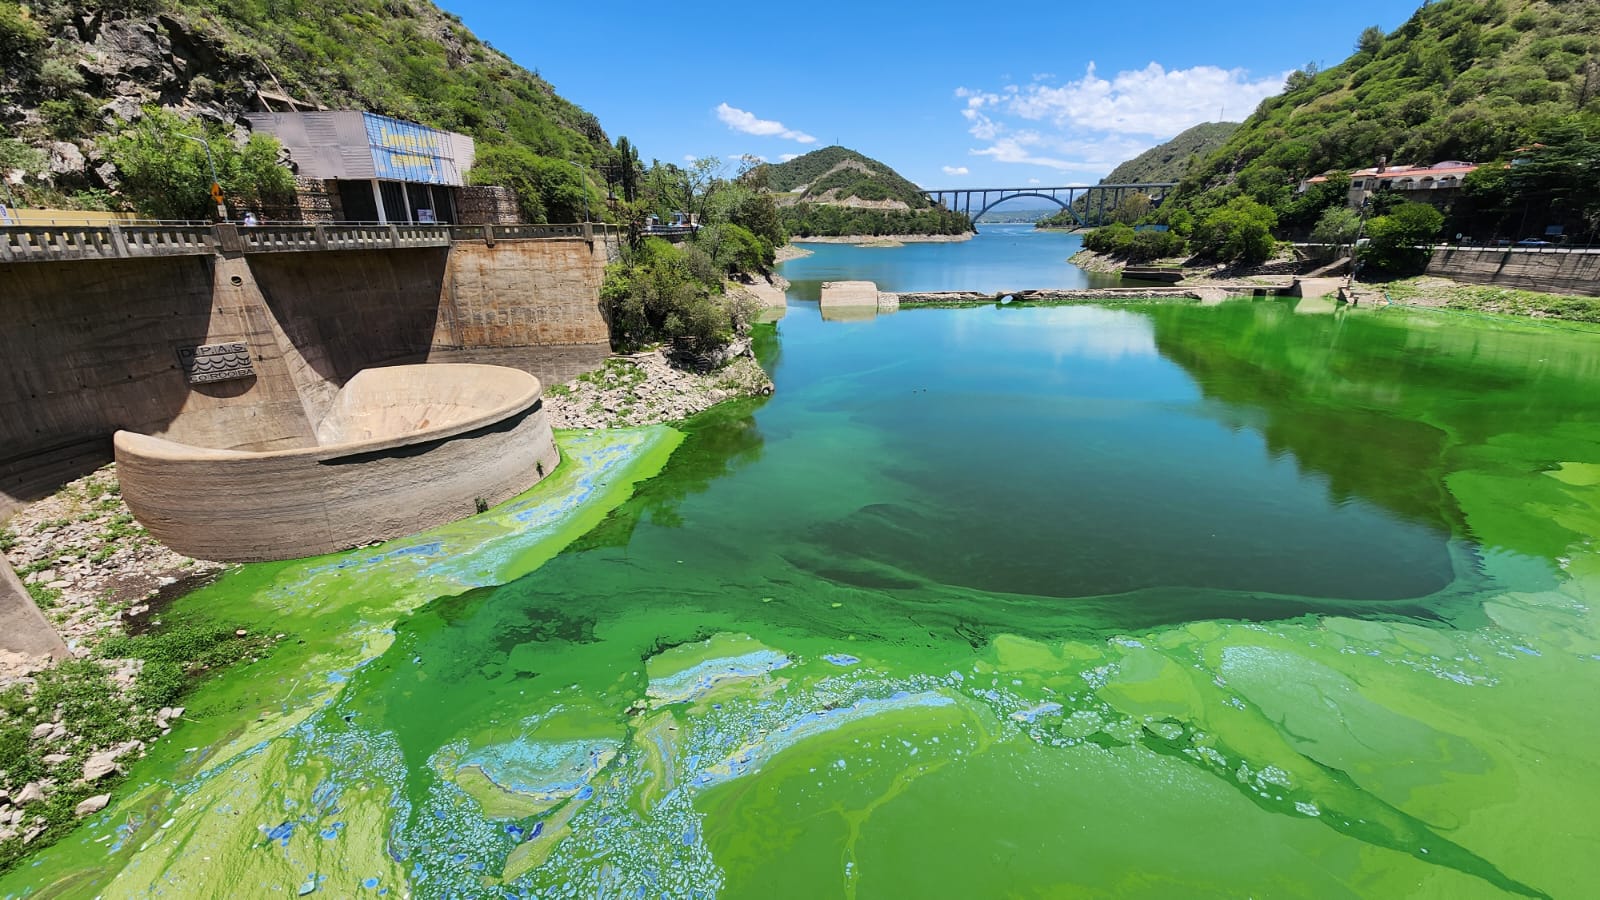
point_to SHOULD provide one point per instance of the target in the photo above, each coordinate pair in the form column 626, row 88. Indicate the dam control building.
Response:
column 356, row 166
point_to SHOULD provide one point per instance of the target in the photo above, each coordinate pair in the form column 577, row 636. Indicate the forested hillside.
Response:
column 1166, row 162
column 1171, row 161
column 1470, row 80
column 73, row 74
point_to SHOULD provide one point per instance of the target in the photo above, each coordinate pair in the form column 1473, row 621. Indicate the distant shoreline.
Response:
column 887, row 240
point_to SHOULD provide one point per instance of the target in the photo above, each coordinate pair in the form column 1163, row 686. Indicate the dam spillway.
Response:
column 402, row 448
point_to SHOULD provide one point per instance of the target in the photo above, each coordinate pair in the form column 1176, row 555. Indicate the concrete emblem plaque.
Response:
column 216, row 362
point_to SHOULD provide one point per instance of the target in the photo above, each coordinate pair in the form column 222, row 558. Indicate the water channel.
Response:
column 1253, row 599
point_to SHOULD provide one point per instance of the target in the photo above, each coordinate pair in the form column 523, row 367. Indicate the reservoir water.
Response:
column 1255, row 599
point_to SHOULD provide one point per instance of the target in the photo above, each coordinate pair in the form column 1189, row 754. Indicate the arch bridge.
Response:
column 1096, row 199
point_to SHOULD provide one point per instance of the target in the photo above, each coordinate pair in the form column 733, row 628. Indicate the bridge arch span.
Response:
column 1066, row 205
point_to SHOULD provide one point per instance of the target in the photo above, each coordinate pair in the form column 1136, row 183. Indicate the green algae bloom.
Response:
column 1259, row 599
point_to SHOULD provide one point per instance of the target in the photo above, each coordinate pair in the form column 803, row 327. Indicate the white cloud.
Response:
column 689, row 157
column 747, row 122
column 956, row 170
column 1033, row 181
column 1083, row 332
column 1011, row 150
column 1086, row 127
column 1151, row 101
column 788, row 156
column 739, row 157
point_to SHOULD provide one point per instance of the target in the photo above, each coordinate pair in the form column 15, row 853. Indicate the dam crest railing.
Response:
column 146, row 240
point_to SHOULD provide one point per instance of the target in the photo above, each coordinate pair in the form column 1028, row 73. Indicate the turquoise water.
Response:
column 1258, row 599
column 1000, row 258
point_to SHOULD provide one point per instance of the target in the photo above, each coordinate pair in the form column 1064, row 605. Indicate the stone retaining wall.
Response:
column 1549, row 270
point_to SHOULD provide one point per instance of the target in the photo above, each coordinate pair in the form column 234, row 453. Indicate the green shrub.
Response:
column 1394, row 239
column 1240, row 231
column 1135, row 246
column 663, row 292
column 60, row 76
column 1338, row 225
column 548, row 189
column 69, row 118
column 746, row 253
column 167, row 176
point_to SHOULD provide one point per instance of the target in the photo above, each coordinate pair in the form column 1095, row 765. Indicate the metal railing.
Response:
column 1522, row 245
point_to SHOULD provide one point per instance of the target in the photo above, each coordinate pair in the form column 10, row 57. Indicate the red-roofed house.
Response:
column 1427, row 182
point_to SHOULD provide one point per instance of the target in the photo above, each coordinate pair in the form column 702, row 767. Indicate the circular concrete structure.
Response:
column 401, row 449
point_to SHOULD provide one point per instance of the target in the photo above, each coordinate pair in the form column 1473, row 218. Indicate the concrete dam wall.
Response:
column 91, row 346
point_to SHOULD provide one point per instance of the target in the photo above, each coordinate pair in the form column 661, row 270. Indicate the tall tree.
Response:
column 627, row 162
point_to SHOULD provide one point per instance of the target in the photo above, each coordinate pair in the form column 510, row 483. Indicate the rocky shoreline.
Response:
column 67, row 728
column 89, row 565
column 648, row 389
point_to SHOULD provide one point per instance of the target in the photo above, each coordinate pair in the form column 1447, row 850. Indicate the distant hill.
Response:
column 837, row 191
column 842, row 176
column 1170, row 161
column 1016, row 215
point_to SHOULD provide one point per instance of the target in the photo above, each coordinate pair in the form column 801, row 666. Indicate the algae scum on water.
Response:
column 1144, row 602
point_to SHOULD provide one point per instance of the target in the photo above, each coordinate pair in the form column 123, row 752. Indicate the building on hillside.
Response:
column 1435, row 184
column 355, row 166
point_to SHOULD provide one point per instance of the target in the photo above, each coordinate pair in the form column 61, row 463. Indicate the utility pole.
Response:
column 216, row 186
column 1355, row 248
column 583, row 185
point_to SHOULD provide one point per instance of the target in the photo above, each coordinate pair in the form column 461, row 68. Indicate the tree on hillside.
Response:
column 1555, row 180
column 666, row 292
column 1466, row 80
column 165, row 172
column 1560, row 175
column 1339, row 225
column 1240, row 231
column 628, row 168
column 1371, row 40
column 1132, row 208
column 1396, row 241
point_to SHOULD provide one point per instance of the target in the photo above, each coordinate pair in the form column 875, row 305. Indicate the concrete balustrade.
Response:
column 62, row 243
column 65, row 243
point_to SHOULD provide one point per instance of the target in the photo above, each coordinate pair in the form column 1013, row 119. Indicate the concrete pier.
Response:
column 845, row 300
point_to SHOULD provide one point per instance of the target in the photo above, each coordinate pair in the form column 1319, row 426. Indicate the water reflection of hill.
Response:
column 1381, row 404
column 721, row 440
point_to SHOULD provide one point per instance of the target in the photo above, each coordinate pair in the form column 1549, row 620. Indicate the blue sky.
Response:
column 950, row 94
